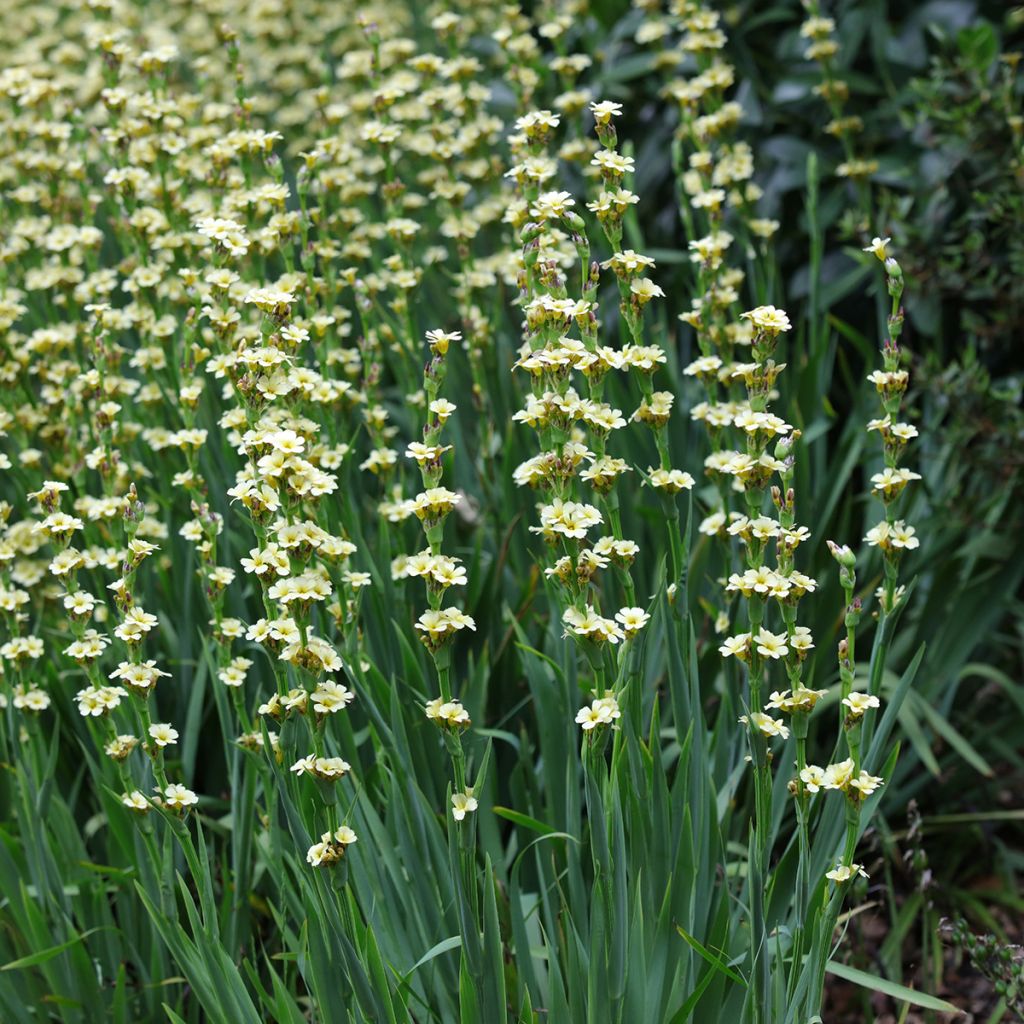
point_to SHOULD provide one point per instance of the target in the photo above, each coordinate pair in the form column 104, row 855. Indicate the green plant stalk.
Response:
column 803, row 881
column 760, row 833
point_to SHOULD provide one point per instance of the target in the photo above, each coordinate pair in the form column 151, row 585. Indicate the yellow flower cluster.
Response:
column 573, row 423
column 893, row 536
column 821, row 46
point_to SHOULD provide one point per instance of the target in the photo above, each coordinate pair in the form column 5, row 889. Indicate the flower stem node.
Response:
column 331, row 848
column 601, row 712
column 448, row 714
column 843, row 873
column 463, row 803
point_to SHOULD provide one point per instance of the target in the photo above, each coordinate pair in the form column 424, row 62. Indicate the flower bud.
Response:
column 842, row 554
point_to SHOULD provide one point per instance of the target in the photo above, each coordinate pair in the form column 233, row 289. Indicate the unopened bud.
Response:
column 784, row 448
column 134, row 510
column 842, row 554
column 576, row 222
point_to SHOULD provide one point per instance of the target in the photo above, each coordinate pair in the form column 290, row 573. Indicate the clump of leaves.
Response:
column 965, row 224
column 982, row 420
column 1002, row 964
